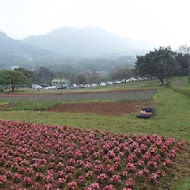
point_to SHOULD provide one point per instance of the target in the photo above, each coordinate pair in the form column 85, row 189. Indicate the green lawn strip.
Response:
column 3, row 103
column 42, row 105
column 32, row 105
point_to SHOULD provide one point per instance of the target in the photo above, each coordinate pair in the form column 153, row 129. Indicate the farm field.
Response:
column 172, row 120
column 125, row 95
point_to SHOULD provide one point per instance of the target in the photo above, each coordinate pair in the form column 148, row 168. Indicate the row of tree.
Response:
column 163, row 63
column 23, row 77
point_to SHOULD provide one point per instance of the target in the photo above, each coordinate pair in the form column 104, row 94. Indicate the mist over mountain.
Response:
column 88, row 48
column 87, row 42
column 14, row 52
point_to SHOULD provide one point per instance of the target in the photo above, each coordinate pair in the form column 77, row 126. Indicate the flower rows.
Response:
column 34, row 156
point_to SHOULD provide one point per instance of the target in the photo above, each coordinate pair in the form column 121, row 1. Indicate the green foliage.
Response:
column 121, row 72
column 43, row 76
column 182, row 90
column 3, row 103
column 12, row 78
column 160, row 63
column 28, row 74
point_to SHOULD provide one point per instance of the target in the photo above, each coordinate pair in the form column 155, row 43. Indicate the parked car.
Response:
column 109, row 83
column 87, row 85
column 36, row 86
column 50, row 88
column 44, row 85
column 81, row 86
column 73, row 86
column 102, row 84
column 133, row 79
column 123, row 80
column 117, row 82
column 61, row 87
column 94, row 85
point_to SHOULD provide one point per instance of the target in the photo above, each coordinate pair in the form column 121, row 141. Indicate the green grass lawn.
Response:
column 172, row 120
column 3, row 103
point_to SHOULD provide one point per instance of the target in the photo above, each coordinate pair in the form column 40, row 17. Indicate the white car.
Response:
column 87, row 85
column 123, row 80
column 94, row 85
column 36, row 86
column 50, row 87
column 117, row 82
column 109, row 83
column 133, row 79
column 102, row 84
column 73, row 86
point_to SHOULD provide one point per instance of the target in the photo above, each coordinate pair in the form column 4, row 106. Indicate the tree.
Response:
column 43, row 76
column 28, row 74
column 182, row 60
column 12, row 78
column 120, row 72
column 185, row 52
column 160, row 63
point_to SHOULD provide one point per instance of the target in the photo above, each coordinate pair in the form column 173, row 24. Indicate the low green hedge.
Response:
column 182, row 90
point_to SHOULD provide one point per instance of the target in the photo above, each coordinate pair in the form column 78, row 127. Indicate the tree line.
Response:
column 163, row 63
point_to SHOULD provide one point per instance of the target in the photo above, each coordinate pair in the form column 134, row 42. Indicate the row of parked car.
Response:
column 114, row 82
column 75, row 86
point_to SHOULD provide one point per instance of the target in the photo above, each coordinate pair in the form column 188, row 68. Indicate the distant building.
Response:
column 14, row 67
column 60, row 82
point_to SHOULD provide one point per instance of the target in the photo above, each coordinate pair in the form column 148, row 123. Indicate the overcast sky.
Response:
column 165, row 22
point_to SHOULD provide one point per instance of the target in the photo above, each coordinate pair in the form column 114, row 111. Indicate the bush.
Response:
column 182, row 90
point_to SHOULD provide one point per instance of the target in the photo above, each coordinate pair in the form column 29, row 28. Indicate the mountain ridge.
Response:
column 87, row 42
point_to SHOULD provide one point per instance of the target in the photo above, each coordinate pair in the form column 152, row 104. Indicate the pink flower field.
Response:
column 44, row 157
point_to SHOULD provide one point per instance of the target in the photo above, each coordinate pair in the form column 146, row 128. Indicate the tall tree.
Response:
column 12, row 78
column 28, row 74
column 160, row 63
column 185, row 52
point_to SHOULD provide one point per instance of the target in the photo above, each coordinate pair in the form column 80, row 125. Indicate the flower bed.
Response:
column 34, row 156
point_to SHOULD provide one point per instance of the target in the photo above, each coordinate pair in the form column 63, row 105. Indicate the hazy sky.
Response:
column 165, row 22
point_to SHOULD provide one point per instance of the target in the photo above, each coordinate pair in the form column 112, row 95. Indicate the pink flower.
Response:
column 80, row 180
column 17, row 177
column 47, row 186
column 109, row 187
column 153, row 176
column 102, row 177
column 130, row 182
column 93, row 186
column 70, row 158
column 61, row 182
column 130, row 167
column 27, row 181
column 3, row 180
column 72, row 185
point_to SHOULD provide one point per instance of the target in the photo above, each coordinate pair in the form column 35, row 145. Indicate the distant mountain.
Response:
column 14, row 52
column 87, row 42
